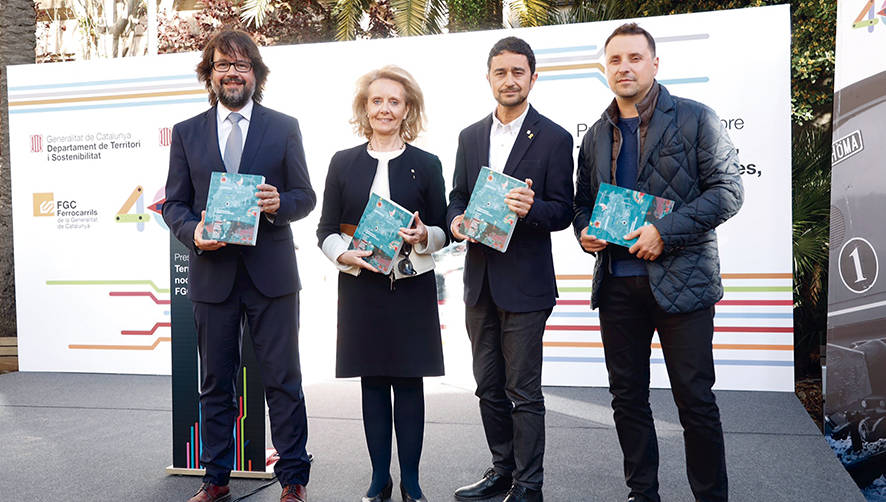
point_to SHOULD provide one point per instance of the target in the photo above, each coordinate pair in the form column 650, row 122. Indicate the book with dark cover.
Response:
column 488, row 220
column 619, row 211
column 232, row 210
column 378, row 231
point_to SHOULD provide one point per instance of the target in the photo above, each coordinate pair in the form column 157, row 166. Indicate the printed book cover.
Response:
column 619, row 211
column 488, row 220
column 378, row 231
column 232, row 210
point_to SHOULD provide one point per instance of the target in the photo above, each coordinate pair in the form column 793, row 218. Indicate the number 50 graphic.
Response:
column 858, row 265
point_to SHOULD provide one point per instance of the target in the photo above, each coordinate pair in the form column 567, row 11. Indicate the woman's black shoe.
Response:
column 384, row 495
column 408, row 498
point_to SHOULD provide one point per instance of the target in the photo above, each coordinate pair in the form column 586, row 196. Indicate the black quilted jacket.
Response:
column 685, row 156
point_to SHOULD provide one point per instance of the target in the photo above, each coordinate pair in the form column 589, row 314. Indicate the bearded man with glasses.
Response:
column 231, row 286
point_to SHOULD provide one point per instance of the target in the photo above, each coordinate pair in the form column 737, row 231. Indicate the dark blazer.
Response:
column 521, row 279
column 273, row 149
column 415, row 178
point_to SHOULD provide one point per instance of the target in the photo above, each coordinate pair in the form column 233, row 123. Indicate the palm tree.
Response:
column 811, row 176
column 411, row 17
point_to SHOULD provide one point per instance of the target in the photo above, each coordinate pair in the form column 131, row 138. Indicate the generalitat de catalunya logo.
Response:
column 44, row 204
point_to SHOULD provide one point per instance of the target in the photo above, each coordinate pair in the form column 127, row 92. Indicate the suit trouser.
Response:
column 507, row 356
column 629, row 315
column 273, row 325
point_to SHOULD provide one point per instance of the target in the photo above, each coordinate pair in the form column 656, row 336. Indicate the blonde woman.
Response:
column 388, row 326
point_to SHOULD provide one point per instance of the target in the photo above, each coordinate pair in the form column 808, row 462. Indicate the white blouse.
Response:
column 336, row 244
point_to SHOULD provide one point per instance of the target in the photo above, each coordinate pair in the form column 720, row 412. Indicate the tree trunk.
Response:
column 17, row 46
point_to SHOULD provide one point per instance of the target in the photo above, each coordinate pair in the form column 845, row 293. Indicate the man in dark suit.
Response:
column 509, row 296
column 233, row 285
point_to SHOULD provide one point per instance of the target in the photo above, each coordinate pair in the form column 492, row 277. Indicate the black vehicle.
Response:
column 855, row 393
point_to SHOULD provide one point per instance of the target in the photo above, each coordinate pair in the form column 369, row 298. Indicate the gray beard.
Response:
column 234, row 100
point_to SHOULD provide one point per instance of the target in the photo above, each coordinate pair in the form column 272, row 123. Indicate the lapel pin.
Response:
column 529, row 133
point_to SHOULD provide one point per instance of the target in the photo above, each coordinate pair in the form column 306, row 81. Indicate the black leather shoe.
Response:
column 519, row 493
column 491, row 485
column 409, row 498
column 385, row 493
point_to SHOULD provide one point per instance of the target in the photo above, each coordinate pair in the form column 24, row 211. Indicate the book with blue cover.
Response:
column 488, row 220
column 232, row 210
column 619, row 211
column 378, row 231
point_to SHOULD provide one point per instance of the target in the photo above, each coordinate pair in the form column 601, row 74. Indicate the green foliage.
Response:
column 471, row 15
column 536, row 12
column 811, row 209
column 587, row 11
column 410, row 16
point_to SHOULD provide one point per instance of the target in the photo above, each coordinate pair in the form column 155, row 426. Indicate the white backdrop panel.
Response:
column 92, row 294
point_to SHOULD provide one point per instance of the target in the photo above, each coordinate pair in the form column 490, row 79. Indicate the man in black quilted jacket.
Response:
column 669, row 280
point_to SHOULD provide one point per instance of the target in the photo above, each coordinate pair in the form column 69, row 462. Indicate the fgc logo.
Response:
column 44, row 204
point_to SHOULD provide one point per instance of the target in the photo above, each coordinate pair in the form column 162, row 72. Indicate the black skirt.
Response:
column 385, row 332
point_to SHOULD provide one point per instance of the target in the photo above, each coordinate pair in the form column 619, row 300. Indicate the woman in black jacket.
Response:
column 388, row 326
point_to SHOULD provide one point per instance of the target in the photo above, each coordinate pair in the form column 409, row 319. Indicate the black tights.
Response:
column 409, row 420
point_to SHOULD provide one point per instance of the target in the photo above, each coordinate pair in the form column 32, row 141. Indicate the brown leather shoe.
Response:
column 294, row 493
column 212, row 493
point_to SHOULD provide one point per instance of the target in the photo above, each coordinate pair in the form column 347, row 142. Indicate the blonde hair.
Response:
column 412, row 123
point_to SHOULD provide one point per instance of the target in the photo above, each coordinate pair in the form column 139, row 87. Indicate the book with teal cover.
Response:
column 488, row 220
column 378, row 231
column 232, row 210
column 619, row 211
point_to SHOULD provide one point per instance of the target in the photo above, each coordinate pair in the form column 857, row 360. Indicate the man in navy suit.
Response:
column 230, row 285
column 509, row 296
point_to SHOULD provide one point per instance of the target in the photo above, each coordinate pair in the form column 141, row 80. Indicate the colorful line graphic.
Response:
column 151, row 331
column 239, row 424
column 569, row 63
column 122, row 347
column 113, row 105
column 194, row 447
column 722, row 346
column 93, row 83
column 148, row 294
column 141, row 293
column 98, row 94
column 724, row 362
column 754, row 317
column 146, row 282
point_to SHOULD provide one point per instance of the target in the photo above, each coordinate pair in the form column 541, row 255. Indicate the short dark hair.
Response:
column 632, row 29
column 515, row 45
column 229, row 42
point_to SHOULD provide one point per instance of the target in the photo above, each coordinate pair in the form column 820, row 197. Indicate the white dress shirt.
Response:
column 502, row 138
column 224, row 125
column 336, row 244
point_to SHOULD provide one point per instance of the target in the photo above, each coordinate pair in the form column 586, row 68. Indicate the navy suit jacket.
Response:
column 273, row 149
column 521, row 279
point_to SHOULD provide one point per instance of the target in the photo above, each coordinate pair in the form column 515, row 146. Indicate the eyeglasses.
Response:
column 405, row 266
column 224, row 66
